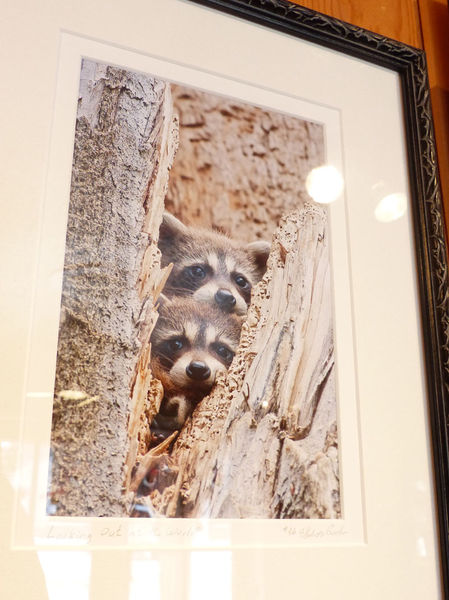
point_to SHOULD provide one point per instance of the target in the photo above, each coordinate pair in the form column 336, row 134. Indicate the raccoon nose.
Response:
column 225, row 299
column 198, row 370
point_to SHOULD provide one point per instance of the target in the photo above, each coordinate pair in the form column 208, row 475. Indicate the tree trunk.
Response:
column 264, row 443
column 124, row 144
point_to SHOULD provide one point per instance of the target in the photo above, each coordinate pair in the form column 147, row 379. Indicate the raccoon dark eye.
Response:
column 224, row 352
column 175, row 345
column 241, row 281
column 197, row 271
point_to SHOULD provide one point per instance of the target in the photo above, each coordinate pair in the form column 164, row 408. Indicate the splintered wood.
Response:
column 264, row 443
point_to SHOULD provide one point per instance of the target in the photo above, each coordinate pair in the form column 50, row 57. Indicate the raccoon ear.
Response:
column 259, row 252
column 171, row 227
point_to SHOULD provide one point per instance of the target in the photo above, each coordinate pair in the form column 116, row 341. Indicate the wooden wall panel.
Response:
column 435, row 30
column 398, row 19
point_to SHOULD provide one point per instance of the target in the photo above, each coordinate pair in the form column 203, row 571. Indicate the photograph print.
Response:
column 195, row 372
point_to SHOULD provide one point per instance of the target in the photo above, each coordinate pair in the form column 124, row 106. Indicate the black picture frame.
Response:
column 427, row 209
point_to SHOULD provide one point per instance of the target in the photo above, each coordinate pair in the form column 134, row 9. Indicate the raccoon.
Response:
column 190, row 345
column 209, row 266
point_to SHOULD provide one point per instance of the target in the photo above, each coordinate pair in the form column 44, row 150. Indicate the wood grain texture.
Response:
column 435, row 30
column 398, row 20
column 239, row 168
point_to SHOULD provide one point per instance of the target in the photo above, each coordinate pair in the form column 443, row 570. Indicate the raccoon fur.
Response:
column 210, row 267
column 190, row 345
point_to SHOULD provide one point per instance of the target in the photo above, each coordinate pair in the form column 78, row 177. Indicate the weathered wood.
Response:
column 124, row 144
column 397, row 20
column 264, row 443
column 239, row 167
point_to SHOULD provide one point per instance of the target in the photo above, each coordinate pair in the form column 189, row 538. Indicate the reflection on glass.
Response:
column 211, row 571
column 421, row 547
column 324, row 184
column 26, row 479
column 143, row 571
column 8, row 452
column 67, row 574
column 391, row 208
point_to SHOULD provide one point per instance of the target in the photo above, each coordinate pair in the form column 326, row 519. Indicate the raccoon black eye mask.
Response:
column 170, row 350
column 210, row 267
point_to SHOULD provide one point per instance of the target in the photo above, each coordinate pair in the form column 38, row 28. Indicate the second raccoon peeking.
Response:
column 205, row 299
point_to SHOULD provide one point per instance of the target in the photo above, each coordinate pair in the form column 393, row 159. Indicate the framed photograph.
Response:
column 237, row 349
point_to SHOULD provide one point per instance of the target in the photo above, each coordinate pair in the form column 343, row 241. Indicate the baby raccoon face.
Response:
column 210, row 267
column 192, row 344
column 223, row 279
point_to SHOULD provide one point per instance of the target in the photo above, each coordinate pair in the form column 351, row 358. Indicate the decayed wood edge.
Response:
column 246, row 452
column 147, row 392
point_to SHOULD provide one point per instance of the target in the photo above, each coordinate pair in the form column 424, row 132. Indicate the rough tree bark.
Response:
column 239, row 168
column 124, row 144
